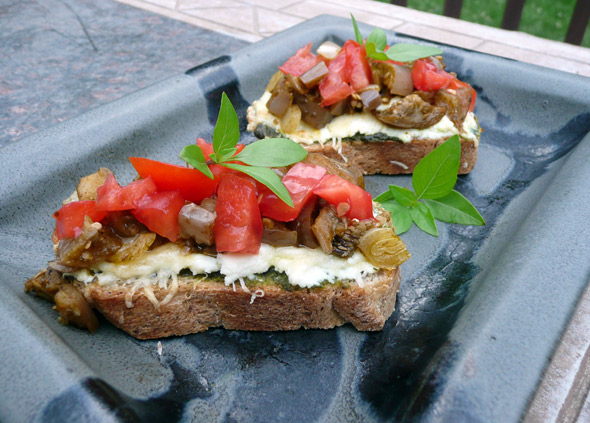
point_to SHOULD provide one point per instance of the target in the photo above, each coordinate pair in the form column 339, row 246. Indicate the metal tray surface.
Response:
column 478, row 315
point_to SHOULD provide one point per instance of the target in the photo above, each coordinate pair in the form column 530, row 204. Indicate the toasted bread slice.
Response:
column 198, row 304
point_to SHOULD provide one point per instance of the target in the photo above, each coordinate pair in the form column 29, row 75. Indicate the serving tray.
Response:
column 478, row 315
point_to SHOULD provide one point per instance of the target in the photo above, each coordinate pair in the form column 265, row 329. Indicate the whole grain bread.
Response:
column 199, row 304
column 392, row 157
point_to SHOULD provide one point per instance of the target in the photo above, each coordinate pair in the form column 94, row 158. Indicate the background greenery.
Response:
column 543, row 18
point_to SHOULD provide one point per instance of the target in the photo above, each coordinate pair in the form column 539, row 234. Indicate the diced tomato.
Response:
column 301, row 62
column 208, row 147
column 238, row 225
column 336, row 191
column 300, row 181
column 358, row 71
column 70, row 218
column 112, row 197
column 427, row 77
column 334, row 87
column 159, row 212
column 191, row 183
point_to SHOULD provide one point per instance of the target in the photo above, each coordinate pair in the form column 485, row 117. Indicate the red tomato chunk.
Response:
column 342, row 194
column 299, row 181
column 70, row 218
column 112, row 197
column 159, row 212
column 358, row 71
column 238, row 225
column 301, row 62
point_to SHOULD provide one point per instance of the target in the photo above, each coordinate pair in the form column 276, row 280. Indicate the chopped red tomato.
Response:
column 159, row 212
column 191, row 183
column 427, row 77
column 207, row 148
column 301, row 62
column 358, row 71
column 300, row 181
column 335, row 87
column 238, row 225
column 70, row 218
column 112, row 197
column 350, row 200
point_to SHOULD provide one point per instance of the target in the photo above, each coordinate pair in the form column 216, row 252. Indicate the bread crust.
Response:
column 392, row 157
column 198, row 305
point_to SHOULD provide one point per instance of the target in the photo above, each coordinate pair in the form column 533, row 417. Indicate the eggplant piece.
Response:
column 456, row 102
column 411, row 112
column 371, row 99
column 277, row 234
column 280, row 100
column 324, row 228
column 196, row 222
column 397, row 78
column 312, row 77
column 338, row 109
column 312, row 112
column 296, row 84
column 302, row 225
column 74, row 309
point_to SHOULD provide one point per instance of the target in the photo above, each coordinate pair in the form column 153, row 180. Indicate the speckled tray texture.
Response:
column 478, row 315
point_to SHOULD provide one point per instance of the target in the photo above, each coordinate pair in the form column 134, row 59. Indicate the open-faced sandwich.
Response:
column 379, row 107
column 227, row 243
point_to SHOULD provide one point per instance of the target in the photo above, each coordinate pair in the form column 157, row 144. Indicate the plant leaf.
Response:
column 378, row 37
column 223, row 156
column 357, row 32
column 384, row 196
column 227, row 129
column 403, row 52
column 374, row 53
column 455, row 208
column 400, row 216
column 423, row 218
column 193, row 155
column 436, row 174
column 272, row 152
column 267, row 177
column 403, row 195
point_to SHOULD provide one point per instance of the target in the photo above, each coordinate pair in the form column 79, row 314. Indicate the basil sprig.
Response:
column 433, row 196
column 377, row 43
column 254, row 160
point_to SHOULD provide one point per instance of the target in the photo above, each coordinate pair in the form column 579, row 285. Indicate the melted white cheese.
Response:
column 359, row 123
column 304, row 267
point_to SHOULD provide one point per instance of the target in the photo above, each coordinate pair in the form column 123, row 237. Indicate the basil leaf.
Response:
column 373, row 53
column 403, row 196
column 436, row 174
column 384, row 196
column 193, row 155
column 423, row 218
column 400, row 216
column 403, row 52
column 357, row 32
column 227, row 129
column 267, row 177
column 223, row 156
column 454, row 208
column 272, row 152
column 378, row 37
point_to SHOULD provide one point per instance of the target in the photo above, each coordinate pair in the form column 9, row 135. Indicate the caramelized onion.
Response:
column 328, row 49
column 383, row 248
column 290, row 120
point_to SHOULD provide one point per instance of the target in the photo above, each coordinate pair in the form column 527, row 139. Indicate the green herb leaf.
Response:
column 227, row 129
column 374, row 53
column 267, row 177
column 193, row 155
column 357, row 32
column 403, row 52
column 383, row 197
column 454, row 208
column 403, row 196
column 272, row 152
column 423, row 218
column 400, row 216
column 436, row 174
column 378, row 37
column 223, row 156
